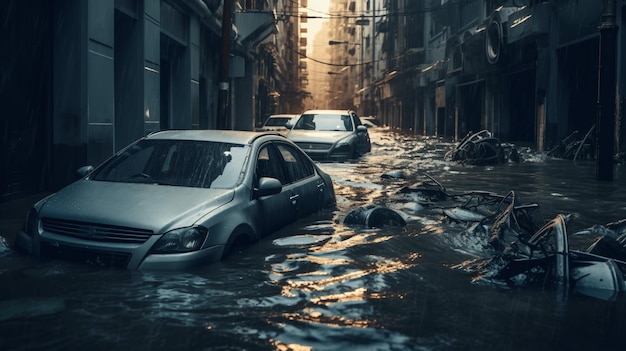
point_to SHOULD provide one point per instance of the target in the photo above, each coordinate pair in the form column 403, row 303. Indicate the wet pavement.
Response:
column 320, row 284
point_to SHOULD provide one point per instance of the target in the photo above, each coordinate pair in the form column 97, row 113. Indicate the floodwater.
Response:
column 320, row 284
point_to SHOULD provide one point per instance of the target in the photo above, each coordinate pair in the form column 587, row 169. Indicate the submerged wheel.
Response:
column 236, row 242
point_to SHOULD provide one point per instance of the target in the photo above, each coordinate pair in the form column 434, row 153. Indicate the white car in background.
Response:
column 276, row 123
column 330, row 135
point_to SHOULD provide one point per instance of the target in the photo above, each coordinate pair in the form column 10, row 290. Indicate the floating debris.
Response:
column 573, row 148
column 460, row 214
column 547, row 259
column 431, row 190
column 393, row 175
column 374, row 216
column 482, row 148
column 521, row 248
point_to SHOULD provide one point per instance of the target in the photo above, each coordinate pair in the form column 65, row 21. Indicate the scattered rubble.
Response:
column 521, row 248
column 573, row 148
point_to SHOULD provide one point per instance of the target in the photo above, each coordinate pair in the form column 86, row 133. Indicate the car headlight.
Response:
column 181, row 240
column 343, row 145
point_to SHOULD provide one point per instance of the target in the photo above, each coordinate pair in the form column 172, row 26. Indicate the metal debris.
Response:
column 374, row 216
column 482, row 148
column 573, row 148
column 521, row 248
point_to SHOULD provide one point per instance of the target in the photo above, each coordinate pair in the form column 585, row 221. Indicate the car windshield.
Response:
column 277, row 121
column 335, row 122
column 197, row 164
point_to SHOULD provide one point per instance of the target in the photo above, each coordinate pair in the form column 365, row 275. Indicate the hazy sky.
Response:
column 316, row 8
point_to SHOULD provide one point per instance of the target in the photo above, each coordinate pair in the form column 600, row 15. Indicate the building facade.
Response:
column 81, row 79
column 527, row 70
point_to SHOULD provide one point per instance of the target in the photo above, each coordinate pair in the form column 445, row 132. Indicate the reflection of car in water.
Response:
column 330, row 134
column 178, row 198
column 276, row 123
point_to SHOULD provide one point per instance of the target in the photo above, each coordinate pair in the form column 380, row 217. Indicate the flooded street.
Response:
column 320, row 284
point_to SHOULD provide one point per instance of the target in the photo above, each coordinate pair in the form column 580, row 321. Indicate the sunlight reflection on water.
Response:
column 322, row 285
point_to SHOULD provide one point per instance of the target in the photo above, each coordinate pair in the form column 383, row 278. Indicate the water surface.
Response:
column 319, row 284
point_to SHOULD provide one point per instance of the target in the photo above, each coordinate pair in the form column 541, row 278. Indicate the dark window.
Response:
column 334, row 122
column 277, row 121
column 297, row 167
column 269, row 165
column 176, row 162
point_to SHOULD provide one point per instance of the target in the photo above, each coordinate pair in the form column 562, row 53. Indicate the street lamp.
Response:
column 362, row 22
column 340, row 71
column 337, row 42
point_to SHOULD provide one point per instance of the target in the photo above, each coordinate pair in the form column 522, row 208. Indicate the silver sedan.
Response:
column 330, row 135
column 176, row 199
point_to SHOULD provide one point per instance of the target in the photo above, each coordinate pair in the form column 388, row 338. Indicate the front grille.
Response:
column 314, row 146
column 95, row 231
column 97, row 258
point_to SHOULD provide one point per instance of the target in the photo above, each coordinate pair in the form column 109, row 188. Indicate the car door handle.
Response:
column 321, row 186
column 294, row 198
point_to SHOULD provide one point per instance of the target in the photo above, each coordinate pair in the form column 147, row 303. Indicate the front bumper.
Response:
column 328, row 156
column 115, row 255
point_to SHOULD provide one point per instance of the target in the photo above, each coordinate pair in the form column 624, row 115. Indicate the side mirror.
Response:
column 84, row 171
column 361, row 128
column 268, row 186
column 289, row 125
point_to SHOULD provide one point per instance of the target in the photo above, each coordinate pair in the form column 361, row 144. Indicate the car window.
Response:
column 200, row 164
column 325, row 122
column 277, row 121
column 296, row 166
column 269, row 165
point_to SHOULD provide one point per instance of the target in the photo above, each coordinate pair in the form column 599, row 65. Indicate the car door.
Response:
column 304, row 184
column 274, row 211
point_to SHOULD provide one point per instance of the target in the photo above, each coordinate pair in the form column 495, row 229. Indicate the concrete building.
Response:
column 343, row 50
column 526, row 70
column 80, row 79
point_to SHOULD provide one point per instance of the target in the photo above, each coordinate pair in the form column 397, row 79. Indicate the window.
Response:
column 186, row 163
column 296, row 166
column 326, row 122
column 284, row 163
column 269, row 165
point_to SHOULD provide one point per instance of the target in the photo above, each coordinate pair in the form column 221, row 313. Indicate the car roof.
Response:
column 327, row 112
column 224, row 136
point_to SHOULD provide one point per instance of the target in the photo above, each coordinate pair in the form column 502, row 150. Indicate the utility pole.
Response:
column 607, row 81
column 223, row 118
column 372, row 110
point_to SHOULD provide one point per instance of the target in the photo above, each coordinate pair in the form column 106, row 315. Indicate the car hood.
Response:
column 145, row 206
column 317, row 136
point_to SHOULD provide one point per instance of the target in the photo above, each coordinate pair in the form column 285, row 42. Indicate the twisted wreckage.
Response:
column 528, row 250
column 519, row 247
column 482, row 148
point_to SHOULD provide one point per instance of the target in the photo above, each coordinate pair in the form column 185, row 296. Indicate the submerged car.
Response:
column 331, row 135
column 176, row 199
column 276, row 123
